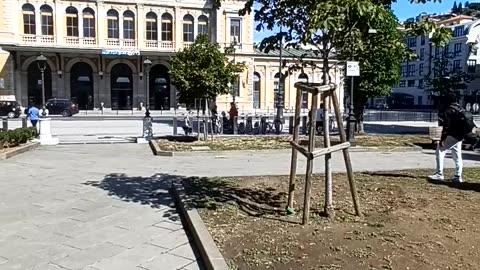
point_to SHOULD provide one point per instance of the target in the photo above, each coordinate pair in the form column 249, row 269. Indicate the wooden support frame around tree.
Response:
column 310, row 153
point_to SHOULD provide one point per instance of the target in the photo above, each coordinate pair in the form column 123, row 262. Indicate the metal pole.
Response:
column 44, row 113
column 279, row 116
column 351, row 116
column 234, row 61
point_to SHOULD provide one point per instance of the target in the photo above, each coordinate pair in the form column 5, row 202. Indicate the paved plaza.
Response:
column 101, row 207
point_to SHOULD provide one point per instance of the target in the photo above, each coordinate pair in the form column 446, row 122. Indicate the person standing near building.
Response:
column 33, row 114
column 457, row 124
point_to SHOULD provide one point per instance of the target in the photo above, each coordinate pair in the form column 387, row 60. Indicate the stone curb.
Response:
column 158, row 152
column 19, row 150
column 208, row 250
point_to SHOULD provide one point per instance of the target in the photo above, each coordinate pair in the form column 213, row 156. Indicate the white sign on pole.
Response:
column 353, row 69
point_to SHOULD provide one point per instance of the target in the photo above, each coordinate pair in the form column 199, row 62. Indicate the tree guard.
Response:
column 311, row 153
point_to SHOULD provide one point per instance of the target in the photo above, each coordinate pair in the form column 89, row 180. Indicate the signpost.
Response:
column 353, row 70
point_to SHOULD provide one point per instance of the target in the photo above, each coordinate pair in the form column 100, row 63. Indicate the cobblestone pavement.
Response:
column 89, row 208
column 106, row 207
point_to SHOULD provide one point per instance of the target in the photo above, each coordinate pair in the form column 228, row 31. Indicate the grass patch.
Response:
column 409, row 222
column 282, row 142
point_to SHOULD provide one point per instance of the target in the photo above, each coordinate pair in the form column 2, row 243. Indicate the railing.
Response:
column 38, row 39
column 113, row 42
column 78, row 41
column 129, row 43
column 187, row 44
column 72, row 40
column 89, row 41
column 159, row 44
column 397, row 116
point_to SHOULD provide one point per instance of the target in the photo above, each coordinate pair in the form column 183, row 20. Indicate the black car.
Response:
column 11, row 109
column 62, row 106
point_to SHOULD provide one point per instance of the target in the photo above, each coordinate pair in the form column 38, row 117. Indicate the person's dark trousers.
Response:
column 34, row 124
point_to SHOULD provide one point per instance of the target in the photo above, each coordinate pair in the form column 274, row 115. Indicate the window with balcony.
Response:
column 28, row 12
column 421, row 84
column 411, row 70
column 472, row 66
column 446, row 50
column 404, row 71
column 46, row 14
column 457, row 49
column 235, row 30
column 420, row 69
column 458, row 31
column 188, row 34
column 72, row 22
column 203, row 25
column 167, row 27
column 88, row 23
column 128, row 25
column 112, row 24
column 456, row 65
column 401, row 84
column 151, row 26
column 422, row 40
column 411, row 83
column 422, row 54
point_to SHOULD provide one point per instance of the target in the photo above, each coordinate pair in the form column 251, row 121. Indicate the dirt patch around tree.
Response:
column 409, row 222
column 283, row 142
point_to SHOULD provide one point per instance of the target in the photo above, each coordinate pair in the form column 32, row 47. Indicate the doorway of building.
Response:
column 159, row 88
column 34, row 78
column 81, row 85
column 121, row 87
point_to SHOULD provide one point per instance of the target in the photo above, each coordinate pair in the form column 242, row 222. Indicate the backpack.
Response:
column 465, row 122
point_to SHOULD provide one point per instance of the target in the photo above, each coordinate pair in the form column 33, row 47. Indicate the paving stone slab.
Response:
column 166, row 261
column 88, row 257
column 130, row 259
column 171, row 240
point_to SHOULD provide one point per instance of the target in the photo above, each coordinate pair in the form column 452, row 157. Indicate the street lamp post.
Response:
column 42, row 66
column 279, row 116
column 147, row 120
column 234, row 44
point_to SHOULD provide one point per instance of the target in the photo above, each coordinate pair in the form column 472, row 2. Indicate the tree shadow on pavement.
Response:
column 151, row 191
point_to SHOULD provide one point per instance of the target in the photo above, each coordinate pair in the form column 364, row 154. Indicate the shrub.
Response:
column 15, row 137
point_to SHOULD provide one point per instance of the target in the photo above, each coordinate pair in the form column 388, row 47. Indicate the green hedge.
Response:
column 15, row 137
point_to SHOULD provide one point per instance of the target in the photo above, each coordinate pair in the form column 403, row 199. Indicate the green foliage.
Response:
column 203, row 71
column 15, row 137
column 455, row 7
column 444, row 79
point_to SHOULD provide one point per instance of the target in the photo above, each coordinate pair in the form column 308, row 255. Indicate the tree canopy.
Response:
column 203, row 71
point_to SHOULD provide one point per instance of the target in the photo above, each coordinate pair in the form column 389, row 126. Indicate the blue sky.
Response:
column 403, row 9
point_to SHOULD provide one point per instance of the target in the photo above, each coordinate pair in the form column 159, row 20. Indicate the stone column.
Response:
column 96, row 90
column 177, row 28
column 22, row 86
column 61, row 86
column 140, row 26
column 100, row 19
column 67, row 86
column 107, row 93
column 137, row 84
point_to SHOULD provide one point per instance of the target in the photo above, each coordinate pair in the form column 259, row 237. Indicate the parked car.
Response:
column 62, row 106
column 11, row 109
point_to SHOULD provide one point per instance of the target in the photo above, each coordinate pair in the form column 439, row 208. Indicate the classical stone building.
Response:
column 96, row 49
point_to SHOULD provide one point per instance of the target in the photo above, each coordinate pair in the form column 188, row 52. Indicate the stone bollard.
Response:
column 46, row 132
column 4, row 123
column 263, row 125
column 175, row 124
column 102, row 106
column 24, row 122
column 235, row 125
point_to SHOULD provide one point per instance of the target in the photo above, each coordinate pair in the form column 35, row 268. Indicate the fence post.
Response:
column 4, row 123
column 175, row 131
column 290, row 124
column 24, row 122
column 304, row 125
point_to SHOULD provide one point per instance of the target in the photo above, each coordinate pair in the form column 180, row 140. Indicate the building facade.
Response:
column 96, row 51
column 461, row 53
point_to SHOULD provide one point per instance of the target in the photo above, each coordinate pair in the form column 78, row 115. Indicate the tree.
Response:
column 203, row 71
column 455, row 8
column 444, row 78
column 460, row 8
column 467, row 4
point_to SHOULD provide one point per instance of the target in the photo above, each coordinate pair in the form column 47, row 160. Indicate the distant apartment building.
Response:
column 462, row 53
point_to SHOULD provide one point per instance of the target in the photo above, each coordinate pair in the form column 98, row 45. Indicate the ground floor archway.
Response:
column 81, row 85
column 121, row 87
column 34, row 83
column 159, row 85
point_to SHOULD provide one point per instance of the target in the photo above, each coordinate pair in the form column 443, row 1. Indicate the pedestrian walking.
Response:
column 33, row 114
column 457, row 124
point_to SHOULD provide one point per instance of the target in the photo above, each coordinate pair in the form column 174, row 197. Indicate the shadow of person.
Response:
column 467, row 186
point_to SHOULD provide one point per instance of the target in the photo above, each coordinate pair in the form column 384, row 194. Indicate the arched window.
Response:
column 28, row 12
column 167, row 27
column 72, row 22
column 151, row 26
column 128, row 25
column 304, row 78
column 256, row 90
column 203, row 25
column 46, row 14
column 112, row 21
column 88, row 23
column 188, row 28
